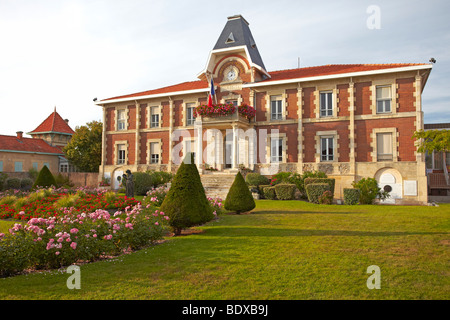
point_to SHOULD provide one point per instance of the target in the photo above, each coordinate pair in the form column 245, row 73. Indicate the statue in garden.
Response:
column 128, row 182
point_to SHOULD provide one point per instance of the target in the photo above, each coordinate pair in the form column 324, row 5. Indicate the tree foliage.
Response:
column 433, row 140
column 239, row 197
column 186, row 204
column 44, row 178
column 85, row 148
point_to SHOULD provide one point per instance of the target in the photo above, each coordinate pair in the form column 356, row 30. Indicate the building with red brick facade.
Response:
column 350, row 121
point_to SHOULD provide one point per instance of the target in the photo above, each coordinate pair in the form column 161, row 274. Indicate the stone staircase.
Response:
column 217, row 184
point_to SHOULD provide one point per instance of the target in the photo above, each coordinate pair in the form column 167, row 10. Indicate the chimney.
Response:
column 19, row 135
column 66, row 120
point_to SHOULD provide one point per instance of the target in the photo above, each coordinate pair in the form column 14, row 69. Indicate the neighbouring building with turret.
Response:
column 44, row 148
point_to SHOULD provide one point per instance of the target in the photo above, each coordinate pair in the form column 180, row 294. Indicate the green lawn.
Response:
column 283, row 250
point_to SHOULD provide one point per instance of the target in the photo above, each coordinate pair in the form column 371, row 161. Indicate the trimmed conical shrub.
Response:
column 44, row 178
column 186, row 204
column 239, row 197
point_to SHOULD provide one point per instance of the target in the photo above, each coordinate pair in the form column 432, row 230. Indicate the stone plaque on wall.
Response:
column 410, row 188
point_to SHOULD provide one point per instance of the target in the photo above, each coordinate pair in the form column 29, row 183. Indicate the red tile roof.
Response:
column 53, row 123
column 333, row 69
column 307, row 72
column 185, row 86
column 29, row 145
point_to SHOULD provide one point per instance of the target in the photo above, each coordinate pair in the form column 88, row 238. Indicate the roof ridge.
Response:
column 349, row 64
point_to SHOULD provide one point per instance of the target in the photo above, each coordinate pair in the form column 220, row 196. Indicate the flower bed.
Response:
column 53, row 242
column 47, row 203
column 224, row 110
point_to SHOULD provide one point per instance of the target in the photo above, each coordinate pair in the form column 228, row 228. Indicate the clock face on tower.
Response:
column 231, row 74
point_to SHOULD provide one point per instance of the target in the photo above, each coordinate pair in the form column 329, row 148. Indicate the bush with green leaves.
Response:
column 63, row 181
column 281, row 177
column 26, row 184
column 239, row 197
column 142, row 183
column 285, row 191
column 315, row 190
column 269, row 192
column 261, row 189
column 329, row 181
column 55, row 242
column 44, row 179
column 256, row 179
column 160, row 178
column 299, row 180
column 326, row 198
column 369, row 190
column 186, row 204
column 3, row 177
column 351, row 196
column 13, row 183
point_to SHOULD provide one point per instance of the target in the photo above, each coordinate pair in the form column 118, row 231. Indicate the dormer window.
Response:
column 230, row 38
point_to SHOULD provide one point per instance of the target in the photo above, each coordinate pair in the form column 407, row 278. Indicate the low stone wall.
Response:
column 82, row 179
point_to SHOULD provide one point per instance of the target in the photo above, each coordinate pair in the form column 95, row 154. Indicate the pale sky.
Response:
column 66, row 53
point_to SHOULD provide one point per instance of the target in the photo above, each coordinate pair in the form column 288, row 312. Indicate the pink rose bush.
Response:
column 60, row 241
column 155, row 196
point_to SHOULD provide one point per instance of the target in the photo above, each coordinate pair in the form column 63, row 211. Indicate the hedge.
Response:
column 351, row 196
column 329, row 181
column 285, row 191
column 143, row 182
column 261, row 189
column 256, row 179
column 269, row 193
column 13, row 183
column 315, row 190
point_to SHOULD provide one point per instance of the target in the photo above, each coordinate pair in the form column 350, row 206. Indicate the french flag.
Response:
column 211, row 94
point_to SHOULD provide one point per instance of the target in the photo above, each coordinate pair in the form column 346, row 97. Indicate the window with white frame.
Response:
column 154, row 117
column 276, row 107
column 326, row 104
column 384, row 99
column 326, row 148
column 121, row 120
column 155, row 152
column 384, row 146
column 233, row 102
column 190, row 114
column 189, row 147
column 121, row 153
column 276, row 150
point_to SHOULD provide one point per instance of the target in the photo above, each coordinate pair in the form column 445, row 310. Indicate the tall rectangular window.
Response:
column 326, row 149
column 384, row 147
column 154, row 152
column 190, row 147
column 326, row 104
column 121, row 154
column 190, row 114
column 1, row 166
column 35, row 166
column 276, row 150
column 18, row 166
column 384, row 99
column 154, row 117
column 276, row 108
column 120, row 119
